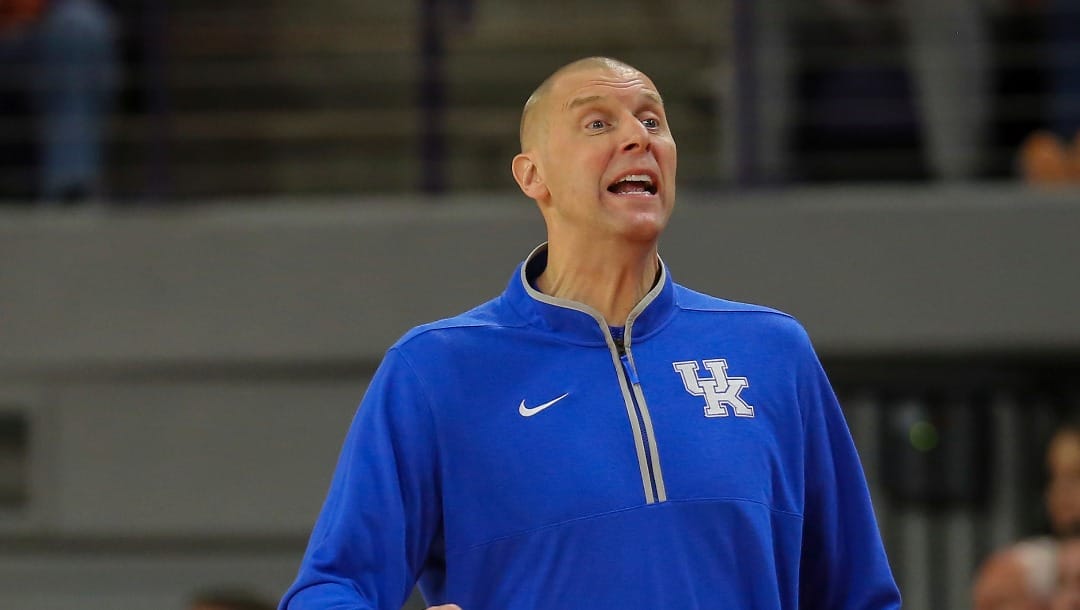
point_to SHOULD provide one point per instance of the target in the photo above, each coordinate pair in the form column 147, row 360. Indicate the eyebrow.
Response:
column 581, row 101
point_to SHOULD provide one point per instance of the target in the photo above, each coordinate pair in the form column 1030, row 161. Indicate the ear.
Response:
column 528, row 177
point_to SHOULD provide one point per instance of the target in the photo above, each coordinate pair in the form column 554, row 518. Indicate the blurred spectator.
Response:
column 1021, row 577
column 948, row 51
column 230, row 600
column 1063, row 487
column 1067, row 596
column 1047, row 160
column 1051, row 156
column 60, row 69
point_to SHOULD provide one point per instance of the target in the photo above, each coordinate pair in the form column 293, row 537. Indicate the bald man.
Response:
column 599, row 436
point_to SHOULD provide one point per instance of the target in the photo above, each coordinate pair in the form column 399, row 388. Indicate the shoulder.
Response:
column 745, row 315
column 493, row 314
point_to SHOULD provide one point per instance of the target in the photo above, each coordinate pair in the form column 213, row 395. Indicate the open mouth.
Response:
column 633, row 184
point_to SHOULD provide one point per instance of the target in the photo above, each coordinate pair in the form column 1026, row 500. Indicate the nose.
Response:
column 636, row 136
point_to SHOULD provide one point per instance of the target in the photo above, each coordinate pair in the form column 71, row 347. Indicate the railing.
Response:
column 226, row 99
column 223, row 99
column 867, row 91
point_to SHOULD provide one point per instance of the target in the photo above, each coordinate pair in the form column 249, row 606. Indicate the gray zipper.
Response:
column 637, row 411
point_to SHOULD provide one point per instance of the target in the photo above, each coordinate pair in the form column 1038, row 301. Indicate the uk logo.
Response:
column 720, row 391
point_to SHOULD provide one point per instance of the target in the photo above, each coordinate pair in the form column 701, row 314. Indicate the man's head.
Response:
column 1020, row 577
column 597, row 154
column 1063, row 488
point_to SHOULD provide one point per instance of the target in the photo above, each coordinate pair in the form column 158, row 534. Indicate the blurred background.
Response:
column 216, row 216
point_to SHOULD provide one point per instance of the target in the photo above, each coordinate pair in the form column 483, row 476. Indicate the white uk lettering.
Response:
column 720, row 391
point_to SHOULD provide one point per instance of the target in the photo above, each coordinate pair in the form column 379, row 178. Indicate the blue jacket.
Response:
column 525, row 456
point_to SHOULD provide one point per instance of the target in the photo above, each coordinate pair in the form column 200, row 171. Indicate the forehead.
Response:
column 581, row 86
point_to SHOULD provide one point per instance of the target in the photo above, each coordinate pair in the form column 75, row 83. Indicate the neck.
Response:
column 609, row 277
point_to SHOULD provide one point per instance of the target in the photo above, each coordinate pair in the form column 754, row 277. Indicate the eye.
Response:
column 650, row 123
column 596, row 124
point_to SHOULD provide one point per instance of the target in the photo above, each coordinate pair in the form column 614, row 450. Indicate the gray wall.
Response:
column 882, row 271
column 188, row 374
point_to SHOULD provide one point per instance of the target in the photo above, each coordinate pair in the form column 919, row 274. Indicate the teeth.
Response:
column 636, row 178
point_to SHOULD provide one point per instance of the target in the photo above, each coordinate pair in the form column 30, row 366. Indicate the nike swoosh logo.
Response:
column 527, row 412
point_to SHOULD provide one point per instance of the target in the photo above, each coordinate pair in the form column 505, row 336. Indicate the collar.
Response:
column 577, row 321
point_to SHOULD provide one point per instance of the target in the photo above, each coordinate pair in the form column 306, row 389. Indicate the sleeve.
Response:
column 843, row 564
column 382, row 514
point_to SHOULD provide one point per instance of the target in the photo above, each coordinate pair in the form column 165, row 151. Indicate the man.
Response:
column 59, row 65
column 597, row 436
column 1021, row 577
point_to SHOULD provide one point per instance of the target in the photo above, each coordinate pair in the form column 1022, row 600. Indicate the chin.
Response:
column 643, row 229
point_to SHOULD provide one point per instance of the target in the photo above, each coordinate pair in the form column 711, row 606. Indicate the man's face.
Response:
column 1063, row 490
column 607, row 157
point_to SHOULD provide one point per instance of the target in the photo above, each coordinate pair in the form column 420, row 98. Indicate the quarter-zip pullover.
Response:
column 699, row 460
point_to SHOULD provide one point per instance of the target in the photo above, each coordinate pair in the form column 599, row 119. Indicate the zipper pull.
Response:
column 630, row 372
